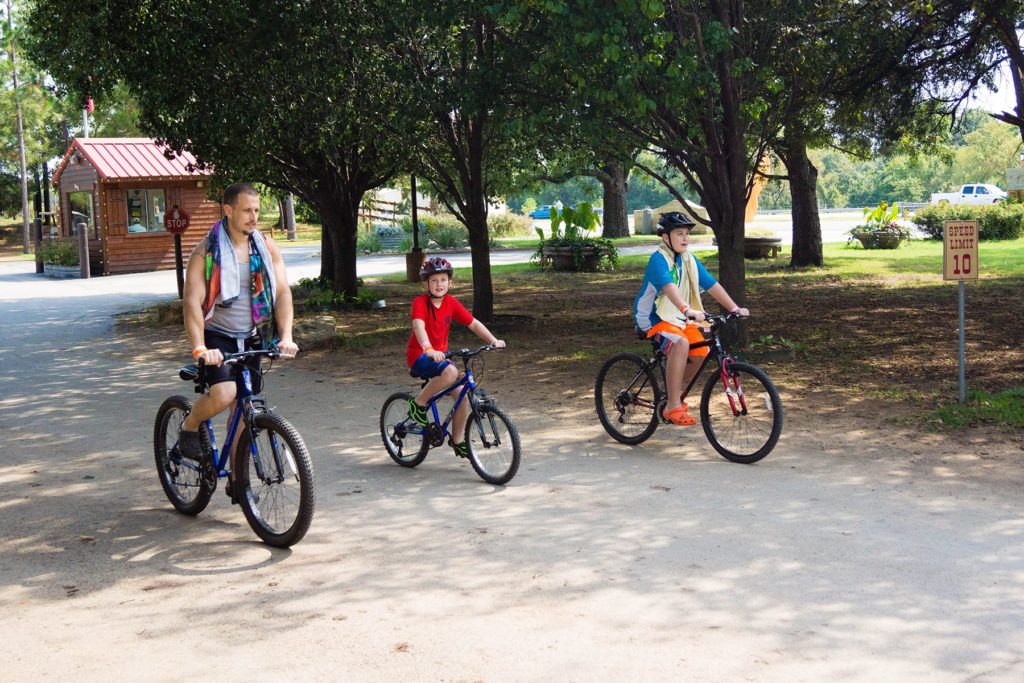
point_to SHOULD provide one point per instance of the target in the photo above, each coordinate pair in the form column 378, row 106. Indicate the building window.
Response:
column 80, row 210
column 145, row 210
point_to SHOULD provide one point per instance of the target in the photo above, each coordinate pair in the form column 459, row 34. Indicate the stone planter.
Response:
column 761, row 247
column 564, row 258
column 879, row 240
column 61, row 271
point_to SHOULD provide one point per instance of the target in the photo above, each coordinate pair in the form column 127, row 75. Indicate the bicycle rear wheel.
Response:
column 275, row 484
column 407, row 448
column 743, row 436
column 182, row 479
column 493, row 442
column 627, row 396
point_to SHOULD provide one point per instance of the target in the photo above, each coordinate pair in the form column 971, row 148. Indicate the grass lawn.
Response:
column 870, row 334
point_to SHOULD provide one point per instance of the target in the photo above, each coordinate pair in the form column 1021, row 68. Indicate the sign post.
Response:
column 176, row 221
column 960, row 263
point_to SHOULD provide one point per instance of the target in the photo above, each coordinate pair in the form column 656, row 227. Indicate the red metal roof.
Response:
column 129, row 158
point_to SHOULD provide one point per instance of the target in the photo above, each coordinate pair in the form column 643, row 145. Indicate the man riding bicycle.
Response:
column 236, row 298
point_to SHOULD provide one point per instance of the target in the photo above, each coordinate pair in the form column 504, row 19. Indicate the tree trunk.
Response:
column 803, row 188
column 340, row 215
column 289, row 215
column 615, row 182
column 480, row 245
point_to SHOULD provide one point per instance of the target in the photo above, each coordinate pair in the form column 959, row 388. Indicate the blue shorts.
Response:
column 428, row 368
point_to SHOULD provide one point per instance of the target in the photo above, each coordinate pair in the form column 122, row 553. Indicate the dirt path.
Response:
column 849, row 553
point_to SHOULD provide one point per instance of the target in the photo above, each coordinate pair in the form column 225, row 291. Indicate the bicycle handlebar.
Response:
column 466, row 354
column 235, row 358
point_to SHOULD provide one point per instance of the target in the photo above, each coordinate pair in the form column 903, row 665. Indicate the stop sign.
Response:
column 176, row 220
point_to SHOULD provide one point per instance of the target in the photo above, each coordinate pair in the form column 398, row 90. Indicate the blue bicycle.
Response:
column 274, row 483
column 491, row 437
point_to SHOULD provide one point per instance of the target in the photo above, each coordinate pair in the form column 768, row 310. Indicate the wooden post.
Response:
column 38, row 239
column 83, row 250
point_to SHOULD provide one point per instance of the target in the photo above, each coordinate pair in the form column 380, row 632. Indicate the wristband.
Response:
column 198, row 351
column 426, row 347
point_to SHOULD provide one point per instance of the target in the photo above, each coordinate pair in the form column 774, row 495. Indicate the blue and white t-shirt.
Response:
column 658, row 274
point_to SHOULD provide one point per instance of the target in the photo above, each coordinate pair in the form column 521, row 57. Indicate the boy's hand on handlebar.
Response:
column 742, row 312
column 498, row 344
column 287, row 349
column 697, row 316
column 435, row 355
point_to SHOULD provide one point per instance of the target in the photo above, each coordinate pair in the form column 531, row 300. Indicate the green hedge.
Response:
column 59, row 252
column 509, row 225
column 1003, row 221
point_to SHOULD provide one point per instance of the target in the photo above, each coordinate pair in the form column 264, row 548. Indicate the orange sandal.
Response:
column 680, row 416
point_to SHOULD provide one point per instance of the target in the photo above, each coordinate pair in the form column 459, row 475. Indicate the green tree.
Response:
column 474, row 139
column 302, row 97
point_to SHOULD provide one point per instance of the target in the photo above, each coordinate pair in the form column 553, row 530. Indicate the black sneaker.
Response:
column 190, row 446
column 229, row 489
column 417, row 413
column 461, row 449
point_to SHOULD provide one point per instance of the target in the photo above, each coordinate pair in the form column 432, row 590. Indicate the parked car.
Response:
column 974, row 193
column 541, row 212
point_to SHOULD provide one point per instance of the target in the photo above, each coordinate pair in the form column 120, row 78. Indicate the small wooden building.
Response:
column 120, row 188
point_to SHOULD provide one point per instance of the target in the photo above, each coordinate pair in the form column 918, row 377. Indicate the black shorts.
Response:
column 226, row 344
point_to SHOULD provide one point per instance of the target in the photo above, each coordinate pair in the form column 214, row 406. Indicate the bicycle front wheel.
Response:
column 404, row 439
column 627, row 395
column 274, row 483
column 493, row 442
column 746, row 430
column 182, row 479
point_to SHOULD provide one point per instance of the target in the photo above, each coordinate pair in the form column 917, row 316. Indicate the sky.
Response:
column 1003, row 100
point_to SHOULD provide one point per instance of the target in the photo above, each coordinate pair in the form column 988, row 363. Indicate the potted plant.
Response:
column 569, row 248
column 60, row 258
column 880, row 229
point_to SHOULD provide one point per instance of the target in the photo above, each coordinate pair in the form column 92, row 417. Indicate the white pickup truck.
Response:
column 977, row 193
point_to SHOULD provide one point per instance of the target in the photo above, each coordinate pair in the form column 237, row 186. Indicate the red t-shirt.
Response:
column 438, row 321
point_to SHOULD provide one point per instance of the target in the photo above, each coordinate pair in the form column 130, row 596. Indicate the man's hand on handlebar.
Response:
column 695, row 315
column 212, row 357
column 287, row 349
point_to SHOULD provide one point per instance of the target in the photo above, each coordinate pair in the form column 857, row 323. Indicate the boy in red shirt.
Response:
column 432, row 316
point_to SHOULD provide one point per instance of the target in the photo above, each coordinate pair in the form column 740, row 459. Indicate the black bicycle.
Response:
column 274, row 483
column 491, row 436
column 740, row 408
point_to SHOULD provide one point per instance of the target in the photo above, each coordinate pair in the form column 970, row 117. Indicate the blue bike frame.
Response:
column 244, row 400
column 467, row 383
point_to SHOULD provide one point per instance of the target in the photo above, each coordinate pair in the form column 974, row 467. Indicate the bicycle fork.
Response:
column 737, row 401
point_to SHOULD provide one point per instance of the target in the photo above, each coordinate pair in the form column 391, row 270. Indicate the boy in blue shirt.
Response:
column 669, row 299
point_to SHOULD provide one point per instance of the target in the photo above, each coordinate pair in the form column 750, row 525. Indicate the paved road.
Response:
column 843, row 556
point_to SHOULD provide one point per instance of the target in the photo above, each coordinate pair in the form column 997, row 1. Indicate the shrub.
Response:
column 59, row 252
column 446, row 231
column 368, row 241
column 995, row 222
column 509, row 225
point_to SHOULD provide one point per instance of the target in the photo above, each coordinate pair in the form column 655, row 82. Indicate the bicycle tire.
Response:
column 267, row 502
column 184, row 486
column 627, row 396
column 494, row 456
column 742, row 438
column 393, row 413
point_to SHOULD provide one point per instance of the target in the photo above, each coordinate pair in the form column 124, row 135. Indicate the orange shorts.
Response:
column 668, row 334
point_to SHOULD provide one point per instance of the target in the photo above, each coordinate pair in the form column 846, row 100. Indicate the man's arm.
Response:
column 284, row 312
column 192, row 300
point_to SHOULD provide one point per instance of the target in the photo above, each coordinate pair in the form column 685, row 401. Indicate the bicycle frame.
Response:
column 247, row 404
column 734, row 392
column 468, row 387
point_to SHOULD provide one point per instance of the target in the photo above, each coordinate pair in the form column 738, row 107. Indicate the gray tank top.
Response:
column 235, row 320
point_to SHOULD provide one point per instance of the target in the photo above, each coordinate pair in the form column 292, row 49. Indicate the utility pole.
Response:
column 25, row 235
